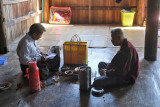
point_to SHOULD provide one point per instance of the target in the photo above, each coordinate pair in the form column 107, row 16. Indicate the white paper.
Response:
column 50, row 55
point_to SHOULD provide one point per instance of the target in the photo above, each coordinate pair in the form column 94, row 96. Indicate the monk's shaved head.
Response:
column 117, row 36
column 117, row 32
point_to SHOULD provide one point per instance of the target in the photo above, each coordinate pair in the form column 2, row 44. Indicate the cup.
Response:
column 94, row 74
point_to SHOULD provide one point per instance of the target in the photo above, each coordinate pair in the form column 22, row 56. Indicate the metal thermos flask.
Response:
column 85, row 78
column 33, row 76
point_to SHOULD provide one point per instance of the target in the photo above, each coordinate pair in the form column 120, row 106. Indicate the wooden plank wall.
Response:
column 19, row 15
column 96, row 11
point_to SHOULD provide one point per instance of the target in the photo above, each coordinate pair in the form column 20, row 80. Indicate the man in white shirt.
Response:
column 28, row 50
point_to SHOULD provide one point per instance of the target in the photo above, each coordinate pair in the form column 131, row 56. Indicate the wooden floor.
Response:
column 65, row 93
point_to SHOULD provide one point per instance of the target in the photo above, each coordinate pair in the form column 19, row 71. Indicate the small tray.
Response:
column 5, row 85
column 65, row 68
column 69, row 72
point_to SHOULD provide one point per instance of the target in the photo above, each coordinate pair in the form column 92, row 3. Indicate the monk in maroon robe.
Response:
column 124, row 67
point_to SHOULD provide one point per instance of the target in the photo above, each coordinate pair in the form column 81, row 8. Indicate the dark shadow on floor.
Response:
column 117, row 91
column 84, row 98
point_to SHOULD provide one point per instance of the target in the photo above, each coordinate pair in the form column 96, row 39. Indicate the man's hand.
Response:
column 43, row 58
column 43, row 54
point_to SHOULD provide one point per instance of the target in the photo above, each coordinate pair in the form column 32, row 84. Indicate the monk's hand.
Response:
column 43, row 58
column 102, row 72
column 109, row 72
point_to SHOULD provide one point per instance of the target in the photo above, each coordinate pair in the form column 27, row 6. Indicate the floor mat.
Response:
column 95, row 41
column 95, row 36
column 135, row 36
column 48, row 42
column 98, row 44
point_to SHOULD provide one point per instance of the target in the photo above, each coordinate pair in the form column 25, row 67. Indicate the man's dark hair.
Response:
column 36, row 28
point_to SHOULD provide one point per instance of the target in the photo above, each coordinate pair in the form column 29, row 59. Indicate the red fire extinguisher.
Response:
column 33, row 76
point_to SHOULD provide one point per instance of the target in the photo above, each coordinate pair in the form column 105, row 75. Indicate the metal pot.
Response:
column 85, row 77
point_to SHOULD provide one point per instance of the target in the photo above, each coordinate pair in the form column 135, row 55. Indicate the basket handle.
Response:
column 75, row 38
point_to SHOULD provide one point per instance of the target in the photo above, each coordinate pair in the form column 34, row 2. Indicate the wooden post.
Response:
column 90, row 12
column 140, row 12
column 40, row 4
column 150, row 51
column 46, row 11
column 3, row 43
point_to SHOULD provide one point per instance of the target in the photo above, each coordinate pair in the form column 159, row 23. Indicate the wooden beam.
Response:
column 40, row 4
column 140, row 12
column 22, row 18
column 151, row 35
column 3, row 43
column 98, row 7
column 46, row 11
column 13, row 2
